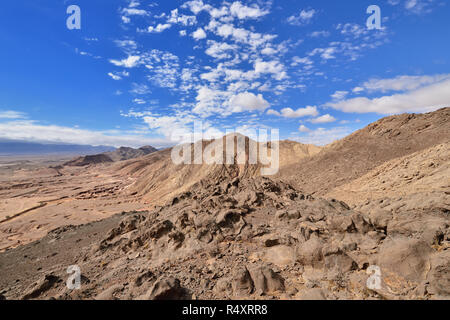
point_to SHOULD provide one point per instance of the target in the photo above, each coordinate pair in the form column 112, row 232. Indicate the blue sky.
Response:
column 141, row 72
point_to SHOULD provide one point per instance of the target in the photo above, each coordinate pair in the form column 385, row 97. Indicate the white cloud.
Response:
column 425, row 99
column 196, row 6
column 272, row 67
column 241, row 35
column 199, row 34
column 325, row 53
column 339, row 95
column 303, row 128
column 247, row 101
column 126, row 45
column 322, row 136
column 134, row 12
column 130, row 62
column 10, row 114
column 290, row 113
column 183, row 33
column 297, row 60
column 139, row 101
column 326, row 118
column 176, row 18
column 118, row 75
column 304, row 17
column 35, row 132
column 269, row 51
column 219, row 50
column 419, row 6
column 402, row 83
column 210, row 101
column 140, row 89
column 317, row 34
column 352, row 29
column 159, row 28
column 241, row 11
column 114, row 76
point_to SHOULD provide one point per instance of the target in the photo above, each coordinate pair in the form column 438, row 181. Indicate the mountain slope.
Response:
column 121, row 154
column 362, row 151
column 158, row 178
column 421, row 172
column 125, row 153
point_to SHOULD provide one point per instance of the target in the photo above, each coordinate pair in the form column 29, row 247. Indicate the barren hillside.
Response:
column 364, row 150
column 422, row 172
column 158, row 178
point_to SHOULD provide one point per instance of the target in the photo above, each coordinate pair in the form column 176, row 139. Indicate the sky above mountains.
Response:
column 142, row 72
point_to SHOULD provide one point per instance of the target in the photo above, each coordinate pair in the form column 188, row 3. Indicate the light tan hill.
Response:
column 158, row 178
column 421, row 172
column 354, row 156
column 292, row 152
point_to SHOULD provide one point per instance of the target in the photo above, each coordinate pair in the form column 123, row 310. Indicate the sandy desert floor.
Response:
column 37, row 195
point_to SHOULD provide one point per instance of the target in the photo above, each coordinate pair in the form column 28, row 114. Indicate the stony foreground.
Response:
column 243, row 239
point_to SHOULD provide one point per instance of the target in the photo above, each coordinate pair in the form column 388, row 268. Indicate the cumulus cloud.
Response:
column 199, row 34
column 304, row 17
column 402, row 83
column 159, row 28
column 241, row 11
column 130, row 62
column 326, row 118
column 424, row 99
column 185, row 20
column 299, row 113
column 339, row 95
column 303, row 128
column 247, row 101
column 274, row 67
column 36, row 132
column 219, row 50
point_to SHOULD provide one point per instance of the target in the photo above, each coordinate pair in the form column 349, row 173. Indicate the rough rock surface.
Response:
column 259, row 239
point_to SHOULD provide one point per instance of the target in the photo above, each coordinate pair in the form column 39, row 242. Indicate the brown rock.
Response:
column 243, row 284
column 266, row 281
column 167, row 289
column 42, row 286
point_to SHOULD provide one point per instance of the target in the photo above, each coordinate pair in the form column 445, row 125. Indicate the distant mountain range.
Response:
column 11, row 147
column 120, row 154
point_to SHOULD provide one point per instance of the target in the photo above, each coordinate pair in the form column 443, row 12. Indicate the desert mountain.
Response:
column 158, row 178
column 354, row 156
column 120, row 154
column 126, row 153
column 419, row 173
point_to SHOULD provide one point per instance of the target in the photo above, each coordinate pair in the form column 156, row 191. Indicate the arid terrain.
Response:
column 141, row 227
